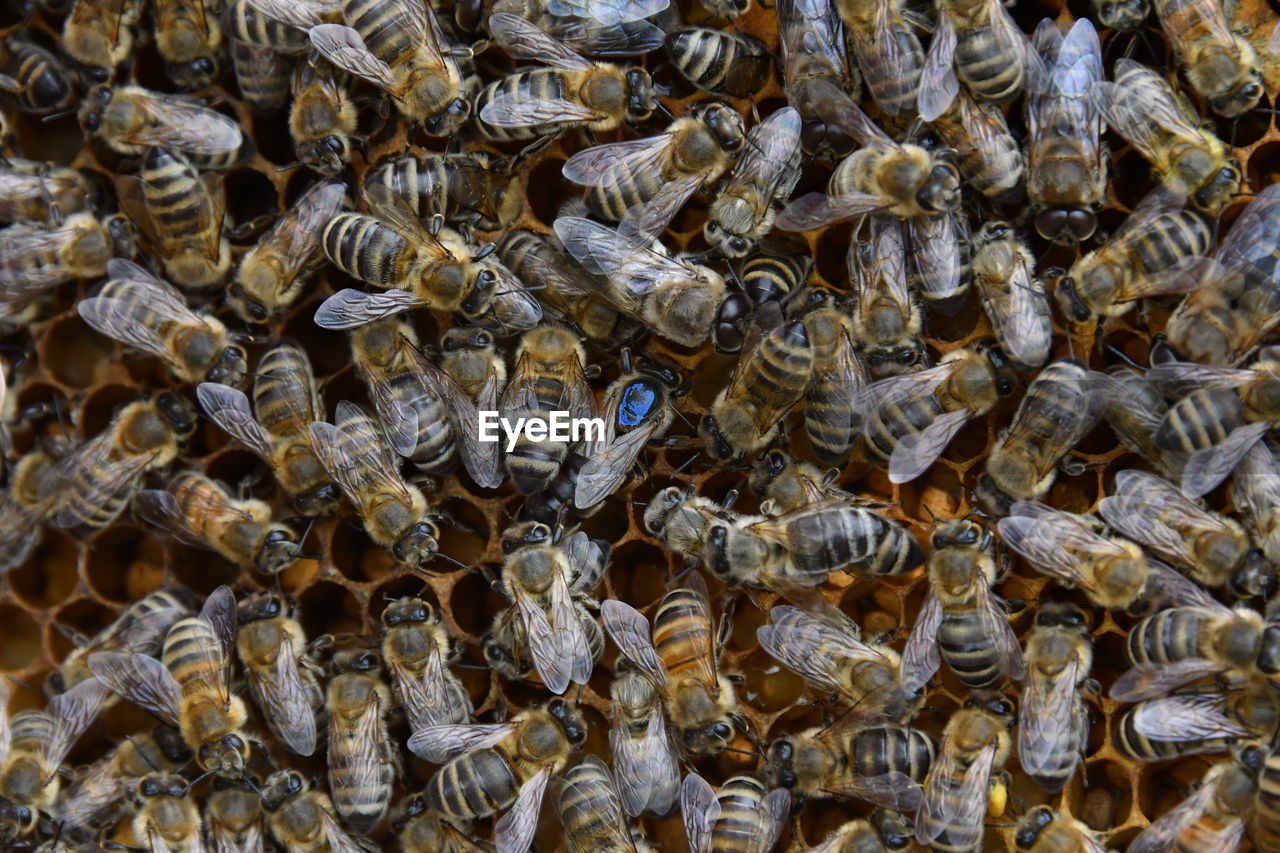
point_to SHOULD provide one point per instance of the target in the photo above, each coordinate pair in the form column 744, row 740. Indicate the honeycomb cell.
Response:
column 76, row 355
column 49, row 574
column 769, row 686
column 1109, row 777
column 328, row 608
column 645, row 579
column 546, row 206
column 21, row 648
column 473, row 604
column 123, row 560
column 198, row 569
column 356, row 556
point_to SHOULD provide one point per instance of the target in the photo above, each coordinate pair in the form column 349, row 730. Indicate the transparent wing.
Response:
column 770, row 158
column 938, row 83
column 816, row 648
column 72, row 712
column 285, row 703
column 179, row 123
column 1150, row 510
column 524, row 41
column 438, row 744
column 773, row 814
column 1185, row 718
column 614, row 163
column 348, row 308
column 917, row 451
column 629, row 630
column 1254, row 236
column 506, row 110
column 302, row 15
column 142, row 680
column 229, row 408
column 514, row 831
column 894, row 790
column 920, row 658
column 604, row 471
column 646, row 769
column 817, row 210
column 700, row 810
column 1149, row 681
column 604, row 251
column 1208, row 467
column 1046, row 721
column 344, row 47
column 1163, row 833
column 935, row 251
column 607, row 11
column 337, row 837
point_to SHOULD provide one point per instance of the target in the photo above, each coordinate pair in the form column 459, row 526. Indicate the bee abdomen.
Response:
column 968, row 651
column 631, row 190
column 187, row 649
column 1266, row 811
column 1202, row 419
column 1137, row 746
column 363, row 247
column 1166, row 637
column 1169, row 238
column 474, row 785
column 740, row 815
column 380, row 26
column 45, row 87
column 990, row 74
column 678, row 630
column 883, row 749
column 537, row 84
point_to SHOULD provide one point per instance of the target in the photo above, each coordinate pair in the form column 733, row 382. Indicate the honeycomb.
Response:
column 66, row 586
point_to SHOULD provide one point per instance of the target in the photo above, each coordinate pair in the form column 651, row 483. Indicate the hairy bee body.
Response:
column 988, row 65
column 322, row 117
column 248, row 25
column 591, row 813
column 262, row 76
column 471, row 187
column 167, row 815
column 1219, row 63
column 363, row 760
column 824, row 763
column 721, row 63
column 204, row 717
column 98, row 794
column 1043, row 830
column 272, row 647
column 1053, row 728
column 33, row 191
column 615, row 95
column 140, row 626
column 189, row 40
column 416, row 649
column 44, row 86
column 1264, row 825
column 987, row 155
column 887, row 50
column 99, row 34
column 37, row 257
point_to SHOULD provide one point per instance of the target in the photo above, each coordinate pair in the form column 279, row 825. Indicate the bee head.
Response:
column 260, row 606
column 895, row 832
column 194, row 74
column 642, row 98
column 15, row 821
column 731, row 318
column 1031, row 825
column 226, row 756
column 230, row 367
column 726, row 125
column 709, row 740
column 569, row 718
column 450, row 119
column 714, row 440
column 1219, row 190
column 280, row 787
column 418, row 545
column 778, row 767
column 407, row 611
column 95, row 103
column 178, row 412
column 279, row 551
column 769, row 467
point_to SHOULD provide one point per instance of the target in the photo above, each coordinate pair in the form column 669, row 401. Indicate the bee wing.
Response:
column 480, row 458
column 1170, row 589
column 1254, row 236
column 1144, row 112
column 647, row 221
column 604, row 471
column 827, row 410
column 229, row 408
column 110, row 477
column 1149, row 681
column 607, row 11
column 18, row 278
column 646, row 769
column 701, row 810
column 1179, row 378
column 626, row 38
column 438, row 744
column 970, row 799
column 548, row 644
column 360, row 764
column 773, row 815
column 1054, row 542
column 935, row 251
column 344, row 47
column 1163, row 833
column 613, row 163
column 1257, row 481
column 1187, row 717
column 813, row 647
column 894, row 790
column 224, row 841
column 156, row 842
column 816, row 210
column 525, row 41
column 425, row 696
column 920, row 658
column 1045, row 722
column 302, row 15
column 894, row 392
column 349, row 309
column 72, row 712
column 511, row 306
column 938, row 83
column 179, row 123
column 1150, row 510
column 996, row 626
column 1208, row 467
column 142, row 680
column 160, row 509
column 285, row 703
column 337, row 837
column 506, row 110
column 604, row 251
column 602, row 806
column 514, row 831
column 399, row 419
column 1023, row 325
column 917, row 451
column 629, row 630
column 771, row 157
column 92, row 794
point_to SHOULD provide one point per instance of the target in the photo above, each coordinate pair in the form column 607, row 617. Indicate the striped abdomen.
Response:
column 475, row 784
column 1129, row 741
column 632, row 189
column 90, row 501
column 284, row 394
column 534, row 84
column 44, row 85
column 741, row 815
column 249, row 25
column 1059, row 766
column 1168, row 636
column 436, row 450
column 589, row 808
column 853, row 537
column 782, row 368
column 991, row 72
column 192, row 653
column 769, row 277
column 718, row 62
column 880, row 750
column 895, row 422
column 682, row 631
column 894, row 91
column 263, row 76
column 360, row 771
column 967, row 648
column 381, row 23
column 1165, row 240
column 1202, row 419
column 365, row 248
column 1266, row 805
column 177, row 201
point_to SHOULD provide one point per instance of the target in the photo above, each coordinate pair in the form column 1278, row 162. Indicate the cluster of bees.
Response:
column 676, row 277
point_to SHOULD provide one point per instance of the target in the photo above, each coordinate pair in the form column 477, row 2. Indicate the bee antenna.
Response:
column 21, row 683
column 680, row 415
column 686, row 464
column 736, row 751
column 1124, row 357
column 59, row 114
column 449, row 559
column 666, row 111
column 289, row 167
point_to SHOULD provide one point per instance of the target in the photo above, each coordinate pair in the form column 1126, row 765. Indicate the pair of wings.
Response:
column 161, row 508
column 609, row 461
column 91, row 476
column 294, row 240
column 700, row 808
column 1164, row 833
column 646, row 768
column 134, row 307
column 70, row 713
column 1061, row 74
column 354, row 452
column 180, row 124
column 229, row 408
column 20, row 279
column 914, row 452
column 951, row 800
column 1152, row 511
column 589, row 797
column 1063, row 395
column 1017, row 307
column 1047, row 721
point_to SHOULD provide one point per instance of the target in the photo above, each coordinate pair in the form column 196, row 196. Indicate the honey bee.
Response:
column 638, row 408
column 398, row 46
column 35, row 745
column 908, row 420
column 426, row 417
column 417, row 650
column 721, row 63
column 40, row 84
column 322, row 117
column 817, row 76
column 591, row 811
column 788, row 484
column 35, row 258
column 1053, row 724
column 303, row 819
column 569, row 294
column 281, row 26
column 139, row 628
column 825, row 648
column 1215, row 424
column 830, row 421
column 1220, row 65
column 1190, row 160
column 1254, row 492
column 506, row 643
column 32, row 191
column 420, row 830
column 771, row 376
column 1014, row 299
column 97, row 480
column 180, row 215
column 741, row 816
column 1205, row 719
column 882, row 38
column 30, row 496
column 1058, row 410
column 1043, row 830
column 679, row 519
column 470, row 357
column 167, row 818
column 666, row 168
column 1074, row 550
column 646, row 766
column 355, row 454
column 443, row 271
column 262, row 76
column 987, row 155
column 884, row 832
column 100, row 792
column 682, row 662
column 1156, row 238
column 904, row 180
column 189, row 687
column 189, row 40
column 98, row 34
column 144, row 312
column 504, row 765
column 472, row 187
column 676, row 298
column 547, row 578
column 282, row 677
column 883, row 765
column 1068, row 174
column 549, row 377
column 363, row 760
column 130, row 119
column 767, row 172
column 1211, row 549
column 1214, row 816
column 572, row 92
column 197, row 510
column 770, row 275
column 233, row 817
column 273, row 273
column 962, row 621
column 1223, row 324
column 977, row 43
column 967, row 780
column 886, row 317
